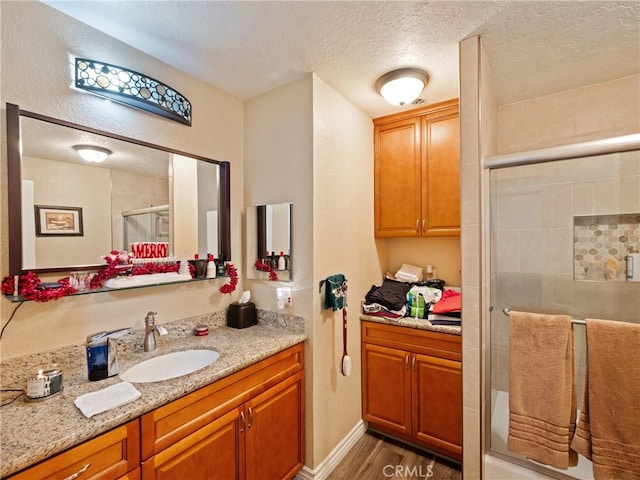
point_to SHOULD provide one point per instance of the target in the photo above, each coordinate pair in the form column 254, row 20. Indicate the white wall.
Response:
column 37, row 42
column 278, row 144
column 343, row 242
column 185, row 207
column 72, row 185
column 306, row 144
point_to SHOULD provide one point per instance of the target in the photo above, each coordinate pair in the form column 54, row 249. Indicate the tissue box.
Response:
column 241, row 315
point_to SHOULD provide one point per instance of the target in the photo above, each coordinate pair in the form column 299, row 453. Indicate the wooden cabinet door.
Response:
column 274, row 436
column 132, row 475
column 386, row 388
column 397, row 179
column 210, row 453
column 437, row 401
column 441, row 175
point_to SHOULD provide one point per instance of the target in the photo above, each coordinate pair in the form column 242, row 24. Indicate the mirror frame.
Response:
column 14, row 187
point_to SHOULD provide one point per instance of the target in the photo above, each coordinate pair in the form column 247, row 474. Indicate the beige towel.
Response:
column 608, row 431
column 542, row 399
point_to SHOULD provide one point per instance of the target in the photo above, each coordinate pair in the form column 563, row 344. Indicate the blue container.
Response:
column 98, row 361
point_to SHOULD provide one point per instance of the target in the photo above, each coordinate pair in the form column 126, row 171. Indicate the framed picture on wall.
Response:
column 58, row 221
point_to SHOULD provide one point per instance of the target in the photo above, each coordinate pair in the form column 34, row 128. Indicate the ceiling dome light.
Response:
column 92, row 153
column 402, row 86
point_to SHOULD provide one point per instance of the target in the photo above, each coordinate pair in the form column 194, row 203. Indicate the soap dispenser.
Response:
column 102, row 359
column 211, row 267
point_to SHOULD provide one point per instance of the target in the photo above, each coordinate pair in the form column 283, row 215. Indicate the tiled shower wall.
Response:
column 533, row 209
column 601, row 244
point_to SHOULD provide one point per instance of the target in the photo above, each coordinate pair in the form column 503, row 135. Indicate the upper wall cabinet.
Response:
column 417, row 172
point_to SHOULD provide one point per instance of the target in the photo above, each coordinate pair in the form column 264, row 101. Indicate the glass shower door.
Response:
column 559, row 235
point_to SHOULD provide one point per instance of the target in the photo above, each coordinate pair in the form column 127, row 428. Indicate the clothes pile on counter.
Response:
column 448, row 310
column 387, row 300
column 423, row 300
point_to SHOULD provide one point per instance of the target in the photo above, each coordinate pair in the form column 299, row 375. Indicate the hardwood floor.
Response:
column 375, row 457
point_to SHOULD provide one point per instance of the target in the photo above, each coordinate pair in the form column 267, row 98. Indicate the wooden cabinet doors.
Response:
column 386, row 388
column 274, row 431
column 397, row 179
column 259, row 440
column 412, row 386
column 417, row 172
column 249, row 425
column 437, row 402
column 441, row 174
column 210, row 453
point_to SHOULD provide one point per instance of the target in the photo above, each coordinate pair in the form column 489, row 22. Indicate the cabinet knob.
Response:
column 250, row 418
column 417, row 225
column 244, row 422
column 424, row 221
column 413, row 364
column 406, row 362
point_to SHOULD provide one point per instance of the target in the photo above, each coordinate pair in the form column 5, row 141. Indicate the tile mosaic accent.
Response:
column 601, row 243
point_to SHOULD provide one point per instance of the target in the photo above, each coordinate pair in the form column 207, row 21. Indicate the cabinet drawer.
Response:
column 166, row 425
column 437, row 344
column 106, row 457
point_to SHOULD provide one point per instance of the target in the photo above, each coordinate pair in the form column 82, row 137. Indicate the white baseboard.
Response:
column 335, row 457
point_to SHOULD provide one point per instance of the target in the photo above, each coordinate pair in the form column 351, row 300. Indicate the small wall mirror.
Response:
column 66, row 213
column 269, row 255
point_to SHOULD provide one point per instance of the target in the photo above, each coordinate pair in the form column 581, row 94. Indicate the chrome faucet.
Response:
column 150, row 328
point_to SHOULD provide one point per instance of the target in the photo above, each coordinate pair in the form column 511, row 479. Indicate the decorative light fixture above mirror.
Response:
column 132, row 88
column 91, row 153
column 402, row 86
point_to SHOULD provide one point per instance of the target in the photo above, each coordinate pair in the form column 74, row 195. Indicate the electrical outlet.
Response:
column 283, row 297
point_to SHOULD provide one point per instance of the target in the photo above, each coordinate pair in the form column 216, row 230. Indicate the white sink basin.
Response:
column 170, row 365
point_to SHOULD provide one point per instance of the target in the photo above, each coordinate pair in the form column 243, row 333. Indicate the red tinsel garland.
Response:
column 30, row 288
column 265, row 267
column 230, row 287
column 30, row 282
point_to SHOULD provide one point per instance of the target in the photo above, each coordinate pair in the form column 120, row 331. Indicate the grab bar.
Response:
column 573, row 320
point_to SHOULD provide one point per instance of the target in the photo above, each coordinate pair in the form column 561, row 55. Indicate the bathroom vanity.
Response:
column 412, row 382
column 229, row 407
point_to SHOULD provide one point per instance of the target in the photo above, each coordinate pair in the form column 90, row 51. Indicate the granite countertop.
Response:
column 419, row 323
column 34, row 431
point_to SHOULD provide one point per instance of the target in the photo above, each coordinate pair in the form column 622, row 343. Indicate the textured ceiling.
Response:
column 248, row 48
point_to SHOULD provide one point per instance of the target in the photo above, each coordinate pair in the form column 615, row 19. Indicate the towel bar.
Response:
column 573, row 320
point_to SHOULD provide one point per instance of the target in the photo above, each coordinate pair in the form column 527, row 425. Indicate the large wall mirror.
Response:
column 66, row 213
column 268, row 241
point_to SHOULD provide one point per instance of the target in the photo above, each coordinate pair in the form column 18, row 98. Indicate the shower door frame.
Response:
column 605, row 146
